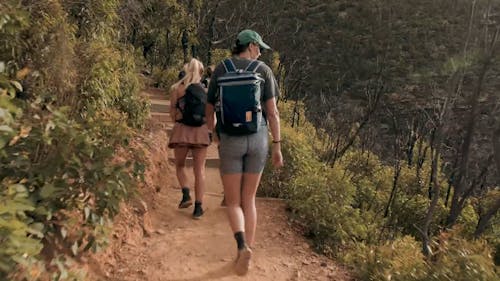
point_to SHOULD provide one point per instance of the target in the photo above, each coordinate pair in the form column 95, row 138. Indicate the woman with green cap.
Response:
column 243, row 156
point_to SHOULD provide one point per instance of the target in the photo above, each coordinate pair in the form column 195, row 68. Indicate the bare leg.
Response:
column 180, row 154
column 248, row 193
column 232, row 193
column 199, row 157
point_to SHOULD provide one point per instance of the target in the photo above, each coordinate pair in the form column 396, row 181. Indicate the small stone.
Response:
column 159, row 231
column 323, row 264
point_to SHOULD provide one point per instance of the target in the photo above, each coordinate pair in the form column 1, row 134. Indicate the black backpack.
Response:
column 238, row 107
column 192, row 106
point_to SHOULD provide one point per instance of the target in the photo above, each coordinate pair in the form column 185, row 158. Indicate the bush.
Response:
column 299, row 156
column 399, row 260
column 321, row 202
column 165, row 78
column 456, row 258
column 299, row 159
column 60, row 180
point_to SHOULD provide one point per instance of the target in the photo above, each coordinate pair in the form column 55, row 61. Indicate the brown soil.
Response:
column 153, row 240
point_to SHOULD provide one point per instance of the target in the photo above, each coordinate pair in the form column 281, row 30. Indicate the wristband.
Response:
column 274, row 141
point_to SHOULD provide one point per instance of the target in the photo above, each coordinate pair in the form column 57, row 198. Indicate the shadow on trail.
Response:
column 221, row 272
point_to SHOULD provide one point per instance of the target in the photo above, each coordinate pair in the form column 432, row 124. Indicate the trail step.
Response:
column 155, row 93
column 160, row 101
column 161, row 116
column 160, row 108
column 210, row 162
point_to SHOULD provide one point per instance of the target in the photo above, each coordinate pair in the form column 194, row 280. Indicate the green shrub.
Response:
column 399, row 260
column 60, row 179
column 165, row 78
column 456, row 258
column 453, row 258
column 300, row 160
column 299, row 156
column 410, row 211
column 321, row 202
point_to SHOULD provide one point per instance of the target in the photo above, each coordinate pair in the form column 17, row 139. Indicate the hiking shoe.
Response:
column 186, row 199
column 198, row 212
column 243, row 261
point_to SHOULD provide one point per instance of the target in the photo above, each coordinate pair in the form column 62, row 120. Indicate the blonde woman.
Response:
column 189, row 134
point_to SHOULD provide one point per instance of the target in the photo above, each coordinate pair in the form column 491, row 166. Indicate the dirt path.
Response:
column 176, row 247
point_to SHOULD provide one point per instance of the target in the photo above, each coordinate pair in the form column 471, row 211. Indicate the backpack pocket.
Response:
column 240, row 112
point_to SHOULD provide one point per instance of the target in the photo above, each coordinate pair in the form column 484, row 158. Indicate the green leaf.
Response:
column 17, row 188
column 11, row 92
column 36, row 229
column 47, row 190
column 74, row 248
column 87, row 212
column 18, row 85
column 64, row 232
column 5, row 128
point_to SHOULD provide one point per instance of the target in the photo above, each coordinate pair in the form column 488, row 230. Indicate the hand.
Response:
column 213, row 138
column 277, row 157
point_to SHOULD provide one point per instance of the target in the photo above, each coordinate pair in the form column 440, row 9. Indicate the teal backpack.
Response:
column 238, row 107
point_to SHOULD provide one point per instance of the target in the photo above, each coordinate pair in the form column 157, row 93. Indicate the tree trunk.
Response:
column 397, row 172
column 435, row 193
column 485, row 219
column 457, row 199
column 496, row 148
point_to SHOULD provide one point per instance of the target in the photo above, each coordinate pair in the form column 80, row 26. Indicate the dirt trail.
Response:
column 156, row 241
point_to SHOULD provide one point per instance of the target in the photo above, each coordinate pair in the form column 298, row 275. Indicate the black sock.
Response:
column 185, row 193
column 240, row 239
column 197, row 204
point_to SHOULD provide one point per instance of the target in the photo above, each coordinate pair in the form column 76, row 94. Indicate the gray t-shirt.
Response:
column 269, row 88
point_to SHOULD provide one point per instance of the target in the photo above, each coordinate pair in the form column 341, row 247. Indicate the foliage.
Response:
column 400, row 259
column 165, row 78
column 111, row 82
column 69, row 100
column 341, row 209
column 298, row 154
column 155, row 27
column 456, row 258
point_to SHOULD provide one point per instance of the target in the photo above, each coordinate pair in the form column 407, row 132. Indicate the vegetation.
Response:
column 391, row 134
column 69, row 100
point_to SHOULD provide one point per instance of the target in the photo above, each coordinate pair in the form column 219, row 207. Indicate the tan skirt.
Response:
column 183, row 135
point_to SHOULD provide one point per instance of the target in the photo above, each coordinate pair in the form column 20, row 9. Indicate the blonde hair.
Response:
column 194, row 70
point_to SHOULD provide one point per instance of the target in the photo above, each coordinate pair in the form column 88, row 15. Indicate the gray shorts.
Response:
column 243, row 154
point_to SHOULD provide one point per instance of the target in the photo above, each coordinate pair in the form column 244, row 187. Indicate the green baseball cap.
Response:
column 248, row 36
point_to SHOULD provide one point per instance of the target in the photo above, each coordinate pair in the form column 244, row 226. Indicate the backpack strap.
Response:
column 253, row 66
column 229, row 65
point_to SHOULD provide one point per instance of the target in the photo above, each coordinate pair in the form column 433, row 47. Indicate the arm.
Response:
column 173, row 102
column 210, row 114
column 211, row 100
column 274, row 124
column 273, row 118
